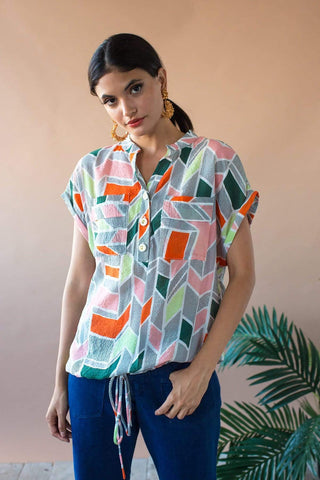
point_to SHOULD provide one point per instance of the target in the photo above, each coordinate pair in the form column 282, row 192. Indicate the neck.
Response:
column 164, row 134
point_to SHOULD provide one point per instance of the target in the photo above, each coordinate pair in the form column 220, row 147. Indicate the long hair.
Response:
column 124, row 52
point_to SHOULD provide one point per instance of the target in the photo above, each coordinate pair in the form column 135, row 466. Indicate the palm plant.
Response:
column 272, row 440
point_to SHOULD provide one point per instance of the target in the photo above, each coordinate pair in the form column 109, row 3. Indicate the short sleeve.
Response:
column 235, row 199
column 74, row 198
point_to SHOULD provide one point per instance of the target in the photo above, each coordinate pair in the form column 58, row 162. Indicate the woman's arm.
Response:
column 82, row 266
column 190, row 384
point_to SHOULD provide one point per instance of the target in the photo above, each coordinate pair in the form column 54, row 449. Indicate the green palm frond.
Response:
column 308, row 408
column 241, row 348
column 296, row 361
column 255, row 440
column 260, row 464
column 271, row 440
column 302, row 449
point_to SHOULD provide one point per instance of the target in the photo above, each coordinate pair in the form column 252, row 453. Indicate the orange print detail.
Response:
column 220, row 216
column 146, row 309
column 129, row 191
column 182, row 199
column 112, row 271
column 118, row 148
column 108, row 327
column 143, row 228
column 176, row 245
column 106, row 250
column 164, row 179
column 243, row 210
column 78, row 200
column 221, row 262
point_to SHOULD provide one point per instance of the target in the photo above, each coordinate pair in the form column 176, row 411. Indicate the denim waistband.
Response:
column 122, row 389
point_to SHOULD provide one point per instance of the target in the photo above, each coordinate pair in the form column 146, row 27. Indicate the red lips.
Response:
column 135, row 121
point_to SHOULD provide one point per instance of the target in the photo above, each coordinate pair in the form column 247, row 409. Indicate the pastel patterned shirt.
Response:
column 160, row 250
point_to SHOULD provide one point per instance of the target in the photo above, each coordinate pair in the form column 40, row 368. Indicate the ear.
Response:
column 162, row 76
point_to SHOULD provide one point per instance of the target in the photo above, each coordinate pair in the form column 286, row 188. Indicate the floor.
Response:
column 142, row 469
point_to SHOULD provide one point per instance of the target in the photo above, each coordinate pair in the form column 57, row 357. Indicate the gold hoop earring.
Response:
column 114, row 134
column 168, row 107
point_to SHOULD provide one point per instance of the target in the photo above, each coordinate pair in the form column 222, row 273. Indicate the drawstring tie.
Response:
column 122, row 386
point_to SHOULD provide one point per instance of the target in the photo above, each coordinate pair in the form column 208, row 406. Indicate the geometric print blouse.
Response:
column 160, row 251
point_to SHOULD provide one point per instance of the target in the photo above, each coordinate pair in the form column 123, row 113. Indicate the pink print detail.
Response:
column 168, row 207
column 217, row 180
column 208, row 209
column 200, row 319
column 196, row 142
column 206, row 284
column 113, row 168
column 201, row 286
column 193, row 141
column 155, row 337
column 222, row 151
column 106, row 299
column 201, row 247
column 212, row 233
column 172, row 191
column 194, row 281
column 139, row 288
column 110, row 210
column 120, row 236
column 175, row 266
column 168, row 354
column 78, row 351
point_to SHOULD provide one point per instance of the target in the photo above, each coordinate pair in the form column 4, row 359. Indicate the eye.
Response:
column 110, row 102
column 136, row 88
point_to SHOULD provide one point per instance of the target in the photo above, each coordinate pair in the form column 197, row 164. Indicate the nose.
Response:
column 128, row 109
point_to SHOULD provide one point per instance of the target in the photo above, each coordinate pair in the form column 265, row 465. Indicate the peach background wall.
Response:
column 247, row 72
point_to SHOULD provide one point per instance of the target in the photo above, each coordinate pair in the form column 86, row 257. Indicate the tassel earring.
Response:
column 114, row 134
column 168, row 107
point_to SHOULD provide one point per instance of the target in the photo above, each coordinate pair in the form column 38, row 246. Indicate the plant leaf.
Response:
column 302, row 449
column 258, row 340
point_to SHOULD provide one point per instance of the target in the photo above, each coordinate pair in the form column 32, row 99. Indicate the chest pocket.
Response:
column 185, row 225
column 110, row 225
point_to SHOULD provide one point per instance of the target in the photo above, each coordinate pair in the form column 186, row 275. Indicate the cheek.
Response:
column 156, row 104
column 113, row 114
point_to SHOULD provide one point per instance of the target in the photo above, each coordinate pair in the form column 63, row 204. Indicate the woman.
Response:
column 145, row 316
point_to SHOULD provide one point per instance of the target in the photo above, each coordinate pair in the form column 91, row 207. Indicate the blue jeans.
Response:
column 181, row 449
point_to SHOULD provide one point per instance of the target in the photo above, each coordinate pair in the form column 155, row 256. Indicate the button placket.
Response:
column 142, row 247
column 143, row 242
column 143, row 221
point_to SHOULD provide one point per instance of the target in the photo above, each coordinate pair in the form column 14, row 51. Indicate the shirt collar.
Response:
column 173, row 150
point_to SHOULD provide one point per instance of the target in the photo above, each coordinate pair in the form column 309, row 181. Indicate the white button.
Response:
column 142, row 247
column 143, row 221
column 145, row 196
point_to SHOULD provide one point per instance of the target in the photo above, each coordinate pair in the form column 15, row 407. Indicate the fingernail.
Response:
column 63, row 434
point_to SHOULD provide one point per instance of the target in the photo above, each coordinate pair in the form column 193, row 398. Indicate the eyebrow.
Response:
column 104, row 96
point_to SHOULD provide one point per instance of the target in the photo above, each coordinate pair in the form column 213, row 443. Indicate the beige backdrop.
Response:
column 247, row 72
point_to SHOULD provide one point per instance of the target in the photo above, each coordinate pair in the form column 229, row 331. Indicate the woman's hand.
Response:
column 188, row 388
column 56, row 416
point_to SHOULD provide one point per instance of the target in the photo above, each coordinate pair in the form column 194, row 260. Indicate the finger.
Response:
column 54, row 429
column 68, row 425
column 173, row 412
column 53, row 426
column 165, row 407
column 62, row 428
column 183, row 413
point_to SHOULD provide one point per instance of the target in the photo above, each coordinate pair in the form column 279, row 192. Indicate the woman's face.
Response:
column 131, row 96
